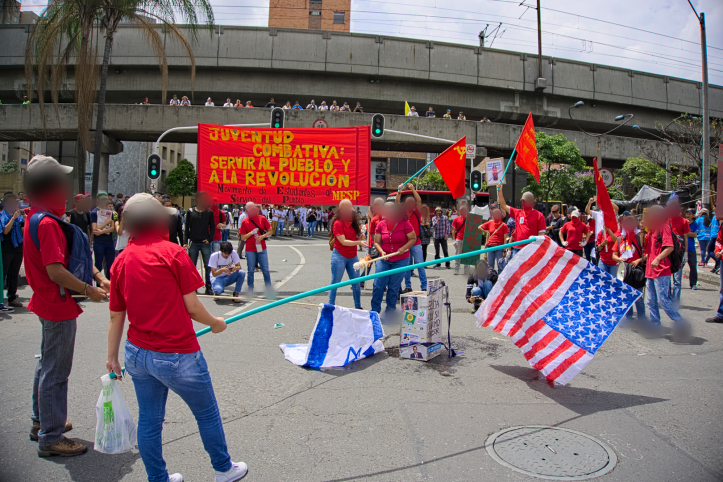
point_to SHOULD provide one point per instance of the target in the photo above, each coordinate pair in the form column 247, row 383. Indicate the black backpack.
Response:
column 676, row 257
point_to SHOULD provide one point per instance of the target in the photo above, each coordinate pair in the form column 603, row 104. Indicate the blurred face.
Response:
column 630, row 224
column 528, row 200
column 463, row 212
column 346, row 211
column 202, row 202
column 654, row 217
column 11, row 204
column 481, row 271
column 410, row 204
column 497, row 215
column 673, row 208
column 252, row 210
column 425, row 211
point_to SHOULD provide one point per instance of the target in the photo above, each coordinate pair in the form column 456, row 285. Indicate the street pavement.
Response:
column 657, row 403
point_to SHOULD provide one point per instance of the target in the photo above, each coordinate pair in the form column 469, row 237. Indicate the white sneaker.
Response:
column 236, row 472
column 175, row 478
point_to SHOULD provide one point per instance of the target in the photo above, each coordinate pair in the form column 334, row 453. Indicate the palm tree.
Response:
column 72, row 28
column 144, row 14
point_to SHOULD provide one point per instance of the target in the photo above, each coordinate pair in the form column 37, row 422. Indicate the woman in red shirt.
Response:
column 497, row 231
column 604, row 247
column 393, row 233
column 346, row 232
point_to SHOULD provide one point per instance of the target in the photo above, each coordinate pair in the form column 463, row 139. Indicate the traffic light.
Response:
column 277, row 118
column 475, row 181
column 153, row 166
column 377, row 125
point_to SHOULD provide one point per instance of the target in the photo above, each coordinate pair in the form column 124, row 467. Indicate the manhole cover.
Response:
column 551, row 453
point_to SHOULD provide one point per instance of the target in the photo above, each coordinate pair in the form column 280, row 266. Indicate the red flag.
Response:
column 527, row 150
column 451, row 164
column 603, row 200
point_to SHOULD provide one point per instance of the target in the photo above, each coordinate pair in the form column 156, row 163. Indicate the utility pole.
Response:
column 539, row 36
column 705, row 162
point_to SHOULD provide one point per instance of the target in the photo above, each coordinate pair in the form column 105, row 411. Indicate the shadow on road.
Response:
column 97, row 467
column 583, row 401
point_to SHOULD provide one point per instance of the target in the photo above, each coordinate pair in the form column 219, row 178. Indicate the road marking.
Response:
column 294, row 245
column 302, row 262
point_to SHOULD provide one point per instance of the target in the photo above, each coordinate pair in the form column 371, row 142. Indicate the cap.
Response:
column 79, row 196
column 437, row 209
column 626, row 213
column 101, row 194
column 40, row 161
column 144, row 203
column 575, row 214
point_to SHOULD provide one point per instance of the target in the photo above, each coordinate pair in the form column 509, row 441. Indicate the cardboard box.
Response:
column 421, row 351
column 422, row 322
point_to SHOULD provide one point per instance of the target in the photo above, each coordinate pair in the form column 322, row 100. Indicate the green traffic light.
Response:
column 153, row 172
column 378, row 131
column 277, row 124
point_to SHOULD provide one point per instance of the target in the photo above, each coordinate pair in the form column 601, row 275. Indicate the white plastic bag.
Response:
column 115, row 430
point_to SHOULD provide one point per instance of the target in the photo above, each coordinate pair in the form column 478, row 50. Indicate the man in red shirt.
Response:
column 458, row 234
column 681, row 227
column 528, row 221
column 496, row 230
column 412, row 205
column 576, row 234
column 658, row 246
column 161, row 351
column 254, row 230
column 46, row 268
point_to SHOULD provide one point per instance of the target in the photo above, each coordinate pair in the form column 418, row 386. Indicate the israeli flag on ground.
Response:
column 341, row 336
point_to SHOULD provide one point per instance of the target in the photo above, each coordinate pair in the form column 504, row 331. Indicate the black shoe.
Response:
column 407, row 290
column 448, row 267
column 208, row 291
column 714, row 319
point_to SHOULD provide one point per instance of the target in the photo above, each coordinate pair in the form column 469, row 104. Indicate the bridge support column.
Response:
column 110, row 146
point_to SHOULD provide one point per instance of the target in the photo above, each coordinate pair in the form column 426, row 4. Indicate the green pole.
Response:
column 508, row 164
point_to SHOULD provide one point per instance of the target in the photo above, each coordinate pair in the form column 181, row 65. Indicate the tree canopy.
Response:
column 432, row 181
column 181, row 181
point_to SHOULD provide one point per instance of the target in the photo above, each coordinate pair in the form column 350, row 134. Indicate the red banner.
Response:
column 284, row 166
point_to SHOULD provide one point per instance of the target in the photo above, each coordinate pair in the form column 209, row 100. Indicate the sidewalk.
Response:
column 704, row 275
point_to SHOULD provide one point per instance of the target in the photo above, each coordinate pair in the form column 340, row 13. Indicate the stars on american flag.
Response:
column 591, row 308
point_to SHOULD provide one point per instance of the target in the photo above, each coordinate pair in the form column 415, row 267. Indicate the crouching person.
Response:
column 226, row 270
column 162, row 352
column 480, row 283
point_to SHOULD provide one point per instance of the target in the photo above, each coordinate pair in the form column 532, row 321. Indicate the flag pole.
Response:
column 514, row 151
column 361, row 279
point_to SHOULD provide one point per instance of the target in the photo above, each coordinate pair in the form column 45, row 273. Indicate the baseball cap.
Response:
column 79, row 196
column 40, row 162
column 143, row 203
column 626, row 213
column 101, row 194
column 575, row 214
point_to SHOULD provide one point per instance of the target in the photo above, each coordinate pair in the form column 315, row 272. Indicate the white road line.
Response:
column 302, row 262
column 294, row 245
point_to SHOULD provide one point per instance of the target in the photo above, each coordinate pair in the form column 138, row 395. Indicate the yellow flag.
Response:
column 406, row 108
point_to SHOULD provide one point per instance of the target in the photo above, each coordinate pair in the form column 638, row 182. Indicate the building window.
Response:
column 314, row 12
column 315, row 2
column 165, row 153
column 339, row 17
column 404, row 166
column 3, row 157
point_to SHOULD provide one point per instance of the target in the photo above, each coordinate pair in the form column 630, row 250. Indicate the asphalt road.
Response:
column 657, row 403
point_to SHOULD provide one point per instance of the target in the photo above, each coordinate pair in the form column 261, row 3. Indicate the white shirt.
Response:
column 217, row 261
column 209, row 104
column 175, row 102
column 311, row 107
column 302, row 216
column 290, row 215
column 275, row 215
column 242, row 215
column 265, row 213
column 413, row 113
column 599, row 218
column 228, row 104
column 323, row 107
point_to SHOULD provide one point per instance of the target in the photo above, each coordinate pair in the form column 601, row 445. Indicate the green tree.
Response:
column 639, row 171
column 181, row 181
column 432, row 181
column 563, row 173
column 11, row 166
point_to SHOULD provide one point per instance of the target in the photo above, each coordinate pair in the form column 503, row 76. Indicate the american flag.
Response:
column 557, row 308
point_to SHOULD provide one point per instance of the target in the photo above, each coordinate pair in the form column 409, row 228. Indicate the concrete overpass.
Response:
column 147, row 122
column 381, row 73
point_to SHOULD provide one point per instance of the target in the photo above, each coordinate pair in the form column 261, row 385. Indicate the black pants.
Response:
column 443, row 243
column 577, row 252
column 11, row 269
column 693, row 265
column 424, row 251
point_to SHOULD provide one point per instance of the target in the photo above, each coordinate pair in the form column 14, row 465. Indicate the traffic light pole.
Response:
column 195, row 128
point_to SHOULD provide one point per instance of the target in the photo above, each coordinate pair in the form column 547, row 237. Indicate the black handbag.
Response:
column 635, row 275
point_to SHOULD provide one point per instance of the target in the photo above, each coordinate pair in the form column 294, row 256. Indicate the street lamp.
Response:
column 667, row 159
column 621, row 117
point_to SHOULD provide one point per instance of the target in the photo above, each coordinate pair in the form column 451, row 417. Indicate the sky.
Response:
column 658, row 36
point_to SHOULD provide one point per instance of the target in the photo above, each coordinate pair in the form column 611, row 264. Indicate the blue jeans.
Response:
column 339, row 264
column 50, row 385
column 311, row 230
column 658, row 293
column 703, row 243
column 280, row 228
column 186, row 374
column 104, row 250
column 263, row 259
column 484, row 290
column 391, row 283
column 720, row 304
column 204, row 249
column 639, row 307
column 513, row 252
column 416, row 256
column 219, row 284
column 498, row 258
column 676, row 285
column 588, row 251
column 215, row 246
column 224, row 234
column 613, row 270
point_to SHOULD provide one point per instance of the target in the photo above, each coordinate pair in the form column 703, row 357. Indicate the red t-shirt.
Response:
column 458, row 224
column 718, row 242
column 591, row 227
column 624, row 244
column 154, row 273
column 574, row 235
column 499, row 237
column 247, row 226
column 45, row 301
column 653, row 249
column 391, row 242
column 413, row 219
column 346, row 229
column 606, row 255
column 218, row 217
column 527, row 226
column 680, row 226
column 372, row 227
